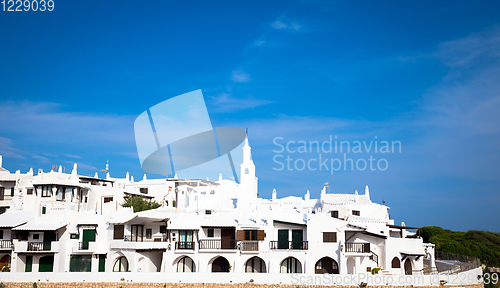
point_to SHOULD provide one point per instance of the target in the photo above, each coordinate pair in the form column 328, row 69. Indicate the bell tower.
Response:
column 248, row 181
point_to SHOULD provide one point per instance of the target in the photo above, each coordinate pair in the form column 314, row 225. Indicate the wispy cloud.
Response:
column 41, row 158
column 82, row 165
column 285, row 24
column 7, row 148
column 240, row 76
column 73, row 156
column 226, row 103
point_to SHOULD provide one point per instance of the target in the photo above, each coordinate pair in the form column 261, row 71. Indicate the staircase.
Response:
column 374, row 257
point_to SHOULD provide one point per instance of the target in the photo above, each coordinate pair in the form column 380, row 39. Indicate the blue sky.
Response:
column 72, row 82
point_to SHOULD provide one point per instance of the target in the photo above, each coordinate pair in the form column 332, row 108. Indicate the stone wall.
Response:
column 201, row 285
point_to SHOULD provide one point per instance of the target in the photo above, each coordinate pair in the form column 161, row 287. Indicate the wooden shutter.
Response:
column 240, row 235
column 329, row 237
column 260, row 235
column 119, row 232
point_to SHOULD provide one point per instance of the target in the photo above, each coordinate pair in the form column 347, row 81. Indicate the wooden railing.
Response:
column 217, row 244
column 39, row 246
column 249, row 245
column 6, row 244
column 184, row 245
column 289, row 245
column 357, row 247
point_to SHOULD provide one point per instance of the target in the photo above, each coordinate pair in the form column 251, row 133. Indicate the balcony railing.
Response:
column 288, row 245
column 217, row 244
column 129, row 238
column 6, row 244
column 39, row 246
column 83, row 245
column 184, row 245
column 357, row 247
column 249, row 245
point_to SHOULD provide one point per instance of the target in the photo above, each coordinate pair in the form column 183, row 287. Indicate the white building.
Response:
column 60, row 222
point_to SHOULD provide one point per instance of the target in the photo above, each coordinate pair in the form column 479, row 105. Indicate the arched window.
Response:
column 255, row 265
column 186, row 264
column 246, row 171
column 291, row 265
column 326, row 265
column 121, row 265
column 220, row 265
column 395, row 263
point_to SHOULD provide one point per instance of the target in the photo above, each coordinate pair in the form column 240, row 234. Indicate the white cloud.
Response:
column 7, row 148
column 281, row 25
column 240, row 76
column 225, row 102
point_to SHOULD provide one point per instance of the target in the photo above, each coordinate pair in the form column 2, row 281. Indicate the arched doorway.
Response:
column 5, row 262
column 408, row 269
column 121, row 265
column 220, row 264
column 255, row 265
column 326, row 265
column 46, row 264
column 351, row 266
column 291, row 265
column 395, row 263
column 186, row 264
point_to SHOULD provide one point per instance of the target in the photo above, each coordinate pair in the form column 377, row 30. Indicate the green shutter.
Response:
column 44, row 210
column 89, row 235
column 283, row 239
column 46, row 264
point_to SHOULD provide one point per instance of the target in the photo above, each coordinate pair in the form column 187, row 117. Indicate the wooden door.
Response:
column 297, row 239
column 227, row 236
column 283, row 239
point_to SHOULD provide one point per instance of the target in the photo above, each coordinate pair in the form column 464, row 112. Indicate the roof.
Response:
column 138, row 194
column 401, row 227
column 13, row 218
column 346, row 199
column 44, row 223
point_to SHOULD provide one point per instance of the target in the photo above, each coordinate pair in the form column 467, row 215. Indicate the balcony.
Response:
column 357, row 247
column 23, row 246
column 249, row 246
column 84, row 247
column 6, row 245
column 129, row 242
column 288, row 245
column 184, row 245
column 217, row 244
column 129, row 238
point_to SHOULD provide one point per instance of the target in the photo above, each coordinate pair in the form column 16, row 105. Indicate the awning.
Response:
column 401, row 227
column 40, row 225
column 289, row 223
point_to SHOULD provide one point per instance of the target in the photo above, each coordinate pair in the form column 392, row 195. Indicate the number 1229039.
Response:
column 27, row 5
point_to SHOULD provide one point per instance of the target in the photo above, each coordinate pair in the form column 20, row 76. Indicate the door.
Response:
column 408, row 270
column 29, row 263
column 88, row 236
column 283, row 239
column 2, row 193
column 102, row 262
column 227, row 236
column 48, row 237
column 297, row 239
column 220, row 265
column 137, row 232
column 46, row 264
column 5, row 262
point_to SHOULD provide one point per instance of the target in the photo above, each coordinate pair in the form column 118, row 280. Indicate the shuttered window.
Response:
column 118, row 232
column 335, row 214
column 250, row 235
column 355, row 212
column 329, row 237
column 29, row 192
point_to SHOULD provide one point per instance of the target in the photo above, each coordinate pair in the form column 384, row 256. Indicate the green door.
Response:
column 102, row 262
column 46, row 264
column 88, row 236
column 297, row 239
column 48, row 237
column 29, row 263
column 283, row 239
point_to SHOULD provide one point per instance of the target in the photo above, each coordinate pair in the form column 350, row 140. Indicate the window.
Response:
column 208, row 212
column 118, row 232
column 329, row 237
column 169, row 189
column 250, row 235
column 335, row 214
column 74, row 236
column 163, row 229
column 1, row 234
column 149, row 233
column 46, row 191
column 108, row 199
column 12, row 191
column 121, row 265
column 186, row 236
column 355, row 212
column 144, row 190
column 36, row 236
column 210, row 233
column 395, row 263
column 29, row 192
column 44, row 210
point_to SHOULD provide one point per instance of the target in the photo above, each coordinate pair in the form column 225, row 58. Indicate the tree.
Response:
column 140, row 203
